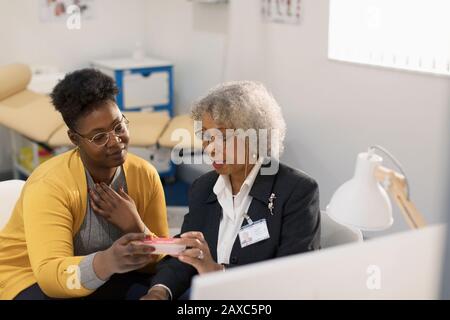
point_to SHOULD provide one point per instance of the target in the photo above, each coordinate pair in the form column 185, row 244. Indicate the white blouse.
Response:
column 234, row 208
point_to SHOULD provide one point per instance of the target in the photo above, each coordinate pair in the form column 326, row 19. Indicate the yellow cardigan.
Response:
column 37, row 243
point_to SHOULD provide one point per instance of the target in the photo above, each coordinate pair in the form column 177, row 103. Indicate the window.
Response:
column 404, row 34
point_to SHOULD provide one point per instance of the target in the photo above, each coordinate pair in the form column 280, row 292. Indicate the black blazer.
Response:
column 294, row 226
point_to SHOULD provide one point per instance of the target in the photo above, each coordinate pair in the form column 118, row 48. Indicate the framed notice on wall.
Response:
column 281, row 11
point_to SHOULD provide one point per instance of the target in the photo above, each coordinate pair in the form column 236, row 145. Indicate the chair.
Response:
column 9, row 193
column 334, row 234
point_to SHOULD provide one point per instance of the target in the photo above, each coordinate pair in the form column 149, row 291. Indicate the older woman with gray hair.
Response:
column 251, row 208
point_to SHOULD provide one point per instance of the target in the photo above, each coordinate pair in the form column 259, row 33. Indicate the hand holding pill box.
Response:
column 164, row 245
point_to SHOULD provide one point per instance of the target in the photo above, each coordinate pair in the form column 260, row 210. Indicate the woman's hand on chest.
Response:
column 117, row 208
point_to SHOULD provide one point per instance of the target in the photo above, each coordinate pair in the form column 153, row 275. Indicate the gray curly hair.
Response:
column 243, row 105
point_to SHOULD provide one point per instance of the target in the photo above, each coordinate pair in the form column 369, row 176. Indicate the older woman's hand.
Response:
column 197, row 253
column 117, row 208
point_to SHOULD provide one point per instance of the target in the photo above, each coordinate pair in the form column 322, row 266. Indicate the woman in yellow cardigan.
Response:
column 58, row 243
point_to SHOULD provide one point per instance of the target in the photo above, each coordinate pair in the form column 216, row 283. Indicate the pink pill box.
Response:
column 165, row 245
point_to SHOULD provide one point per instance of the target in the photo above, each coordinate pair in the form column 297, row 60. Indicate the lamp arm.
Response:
column 397, row 190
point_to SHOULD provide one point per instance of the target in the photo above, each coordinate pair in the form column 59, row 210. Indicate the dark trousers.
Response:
column 127, row 286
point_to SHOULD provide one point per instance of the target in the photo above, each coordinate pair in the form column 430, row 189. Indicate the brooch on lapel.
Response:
column 270, row 205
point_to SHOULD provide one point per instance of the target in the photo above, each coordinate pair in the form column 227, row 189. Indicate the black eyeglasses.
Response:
column 102, row 138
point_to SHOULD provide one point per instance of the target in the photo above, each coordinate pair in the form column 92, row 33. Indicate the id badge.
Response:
column 253, row 233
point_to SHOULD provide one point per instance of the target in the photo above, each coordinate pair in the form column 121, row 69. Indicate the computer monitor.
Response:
column 405, row 265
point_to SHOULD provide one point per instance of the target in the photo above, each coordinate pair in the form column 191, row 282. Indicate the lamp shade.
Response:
column 362, row 202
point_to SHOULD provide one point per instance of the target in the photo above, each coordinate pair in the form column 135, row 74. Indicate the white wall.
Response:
column 333, row 110
column 116, row 27
column 193, row 37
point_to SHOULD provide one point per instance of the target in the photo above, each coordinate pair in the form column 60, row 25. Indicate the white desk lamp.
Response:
column 363, row 203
